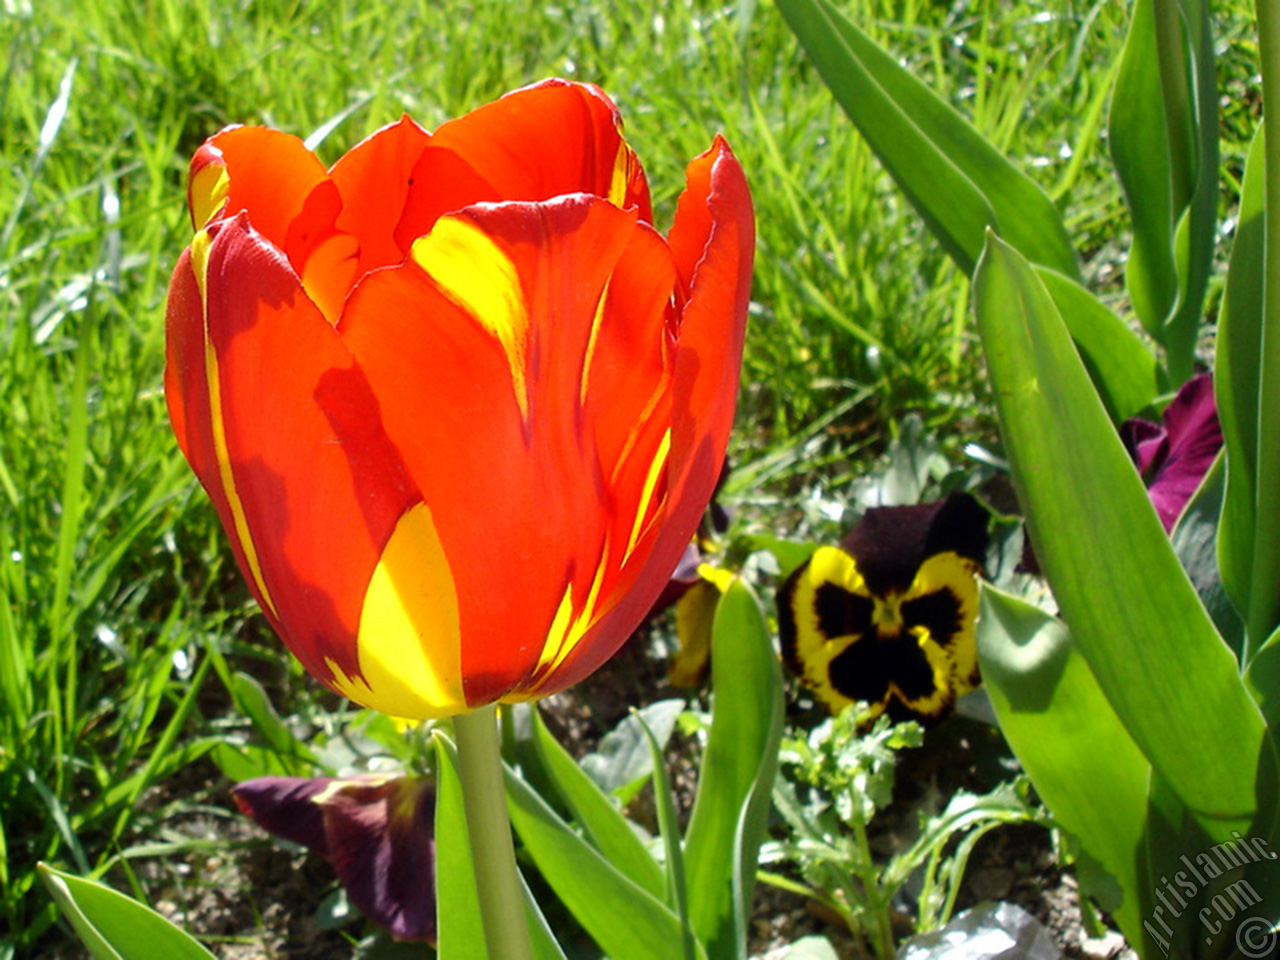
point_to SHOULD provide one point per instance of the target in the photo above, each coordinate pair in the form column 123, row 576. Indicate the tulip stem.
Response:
column 484, row 795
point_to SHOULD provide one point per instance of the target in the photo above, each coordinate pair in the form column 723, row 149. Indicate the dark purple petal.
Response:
column 1174, row 458
column 377, row 831
column 285, row 806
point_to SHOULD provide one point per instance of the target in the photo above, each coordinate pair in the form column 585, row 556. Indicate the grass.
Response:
column 114, row 580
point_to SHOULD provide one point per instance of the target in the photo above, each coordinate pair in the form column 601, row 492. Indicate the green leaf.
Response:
column 955, row 179
column 1164, row 97
column 459, row 927
column 677, row 894
column 1122, row 368
column 460, row 931
column 1132, row 611
column 622, row 765
column 115, row 927
column 1195, row 540
column 622, row 917
column 1237, row 383
column 1069, row 740
column 605, row 827
column 737, row 773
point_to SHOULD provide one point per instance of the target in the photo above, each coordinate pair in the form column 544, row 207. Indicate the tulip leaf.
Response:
column 622, row 917
column 957, row 181
column 1123, row 369
column 677, row 895
column 115, row 927
column 1132, row 611
column 737, row 773
column 605, row 826
column 1068, row 739
column 460, row 930
column 1163, row 137
column 1238, row 385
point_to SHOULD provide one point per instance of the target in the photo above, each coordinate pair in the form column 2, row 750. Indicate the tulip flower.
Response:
column 458, row 405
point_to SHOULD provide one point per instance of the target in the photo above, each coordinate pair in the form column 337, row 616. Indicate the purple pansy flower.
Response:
column 1174, row 457
column 378, row 831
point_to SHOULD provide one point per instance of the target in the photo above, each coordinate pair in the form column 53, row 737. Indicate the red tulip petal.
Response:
column 478, row 350
column 374, row 178
column 548, row 140
column 249, row 358
column 715, row 253
column 270, row 174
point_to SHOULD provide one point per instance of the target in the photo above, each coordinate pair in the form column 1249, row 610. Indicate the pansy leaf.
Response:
column 958, row 182
column 737, row 773
column 116, row 927
column 1133, row 612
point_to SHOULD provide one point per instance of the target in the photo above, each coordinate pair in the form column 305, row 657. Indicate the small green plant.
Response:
column 843, row 780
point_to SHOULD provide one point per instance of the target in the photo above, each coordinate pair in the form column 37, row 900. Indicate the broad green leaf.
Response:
column 1123, row 369
column 1134, row 614
column 1164, row 96
column 460, row 929
column 737, row 773
column 115, row 927
column 1237, row 383
column 958, row 182
column 1195, row 540
column 605, row 827
column 1070, row 741
column 622, row 917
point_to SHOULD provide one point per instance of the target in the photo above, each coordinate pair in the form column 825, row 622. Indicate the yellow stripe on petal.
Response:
column 656, row 470
column 623, row 166
column 210, row 186
column 471, row 270
column 596, row 323
column 200, row 244
column 410, row 641
column 567, row 629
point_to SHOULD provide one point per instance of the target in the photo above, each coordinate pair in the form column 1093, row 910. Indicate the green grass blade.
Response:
column 1132, row 611
column 1122, row 368
column 115, row 927
column 1068, row 739
column 622, row 917
column 958, row 182
column 1237, row 378
column 737, row 773
column 605, row 827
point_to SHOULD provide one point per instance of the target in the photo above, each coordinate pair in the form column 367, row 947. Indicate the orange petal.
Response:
column 249, row 359
column 373, row 179
column 548, row 140
column 269, row 174
column 712, row 244
column 477, row 350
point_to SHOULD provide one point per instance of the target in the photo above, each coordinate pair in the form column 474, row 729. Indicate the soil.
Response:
column 253, row 897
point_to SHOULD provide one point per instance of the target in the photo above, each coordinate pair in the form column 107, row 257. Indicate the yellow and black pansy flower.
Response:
column 888, row 617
